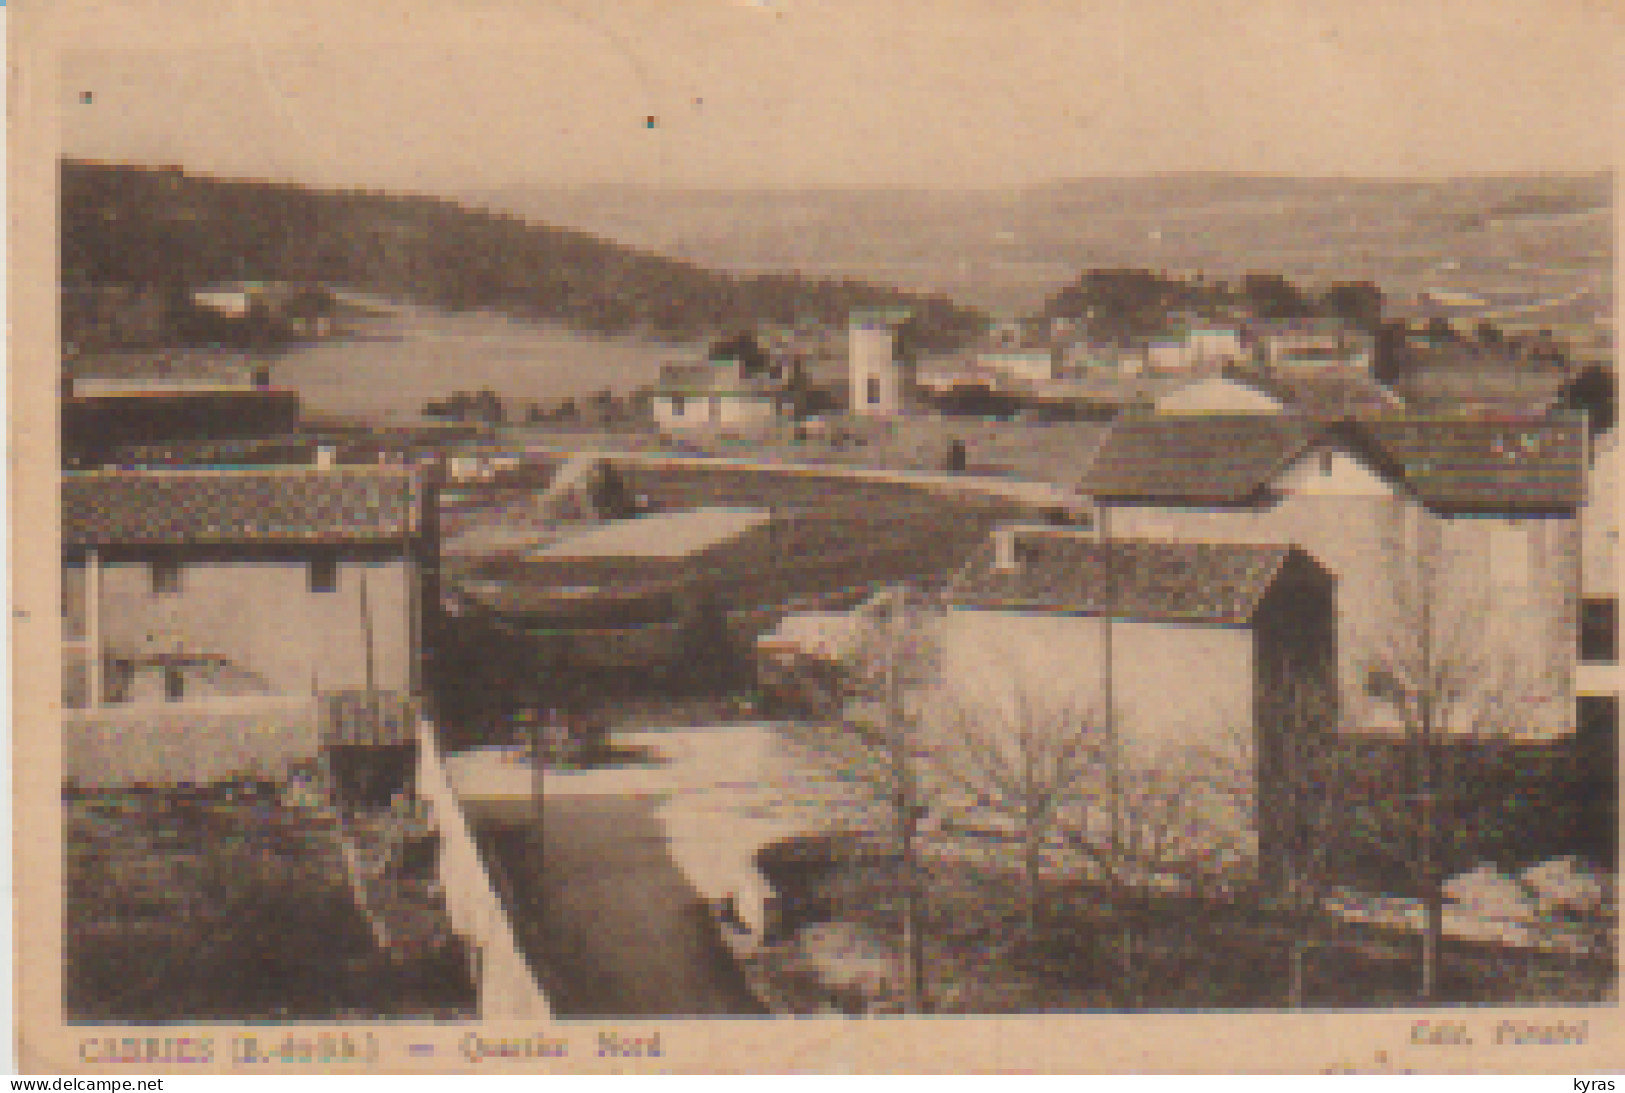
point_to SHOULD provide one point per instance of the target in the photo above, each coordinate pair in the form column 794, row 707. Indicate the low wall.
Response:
column 1032, row 493
column 716, row 853
column 191, row 742
column 507, row 989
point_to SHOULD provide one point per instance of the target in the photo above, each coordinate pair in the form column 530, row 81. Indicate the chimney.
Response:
column 326, row 457
column 1005, row 553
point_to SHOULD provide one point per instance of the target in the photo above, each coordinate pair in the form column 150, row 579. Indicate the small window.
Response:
column 677, row 403
column 119, row 681
column 166, row 577
column 874, row 391
column 174, row 684
column 1383, row 684
column 1599, row 631
column 324, row 574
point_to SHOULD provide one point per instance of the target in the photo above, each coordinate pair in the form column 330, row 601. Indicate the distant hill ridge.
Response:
column 163, row 229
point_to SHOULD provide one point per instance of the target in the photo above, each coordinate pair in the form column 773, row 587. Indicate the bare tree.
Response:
column 1285, row 773
column 1438, row 667
column 1023, row 761
column 876, row 733
column 1164, row 819
column 1296, row 772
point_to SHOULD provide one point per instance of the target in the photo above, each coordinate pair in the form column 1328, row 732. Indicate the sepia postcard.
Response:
column 616, row 536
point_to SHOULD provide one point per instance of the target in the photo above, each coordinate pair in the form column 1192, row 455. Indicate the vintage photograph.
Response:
column 815, row 510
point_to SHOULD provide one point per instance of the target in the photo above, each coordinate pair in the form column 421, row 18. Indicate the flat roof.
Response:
column 662, row 535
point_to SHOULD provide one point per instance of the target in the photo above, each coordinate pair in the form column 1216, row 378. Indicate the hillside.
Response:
column 162, row 230
column 1011, row 248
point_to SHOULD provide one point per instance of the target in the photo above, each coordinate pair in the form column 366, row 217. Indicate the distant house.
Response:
column 1085, row 359
column 1216, row 343
column 1028, row 365
column 880, row 378
column 965, row 372
column 227, row 301
column 116, row 399
column 716, row 394
column 305, row 310
column 1310, row 341
column 1494, row 504
column 1168, row 353
column 1204, row 640
column 235, row 599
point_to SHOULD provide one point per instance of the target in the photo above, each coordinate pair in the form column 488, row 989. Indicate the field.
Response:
column 1032, row 451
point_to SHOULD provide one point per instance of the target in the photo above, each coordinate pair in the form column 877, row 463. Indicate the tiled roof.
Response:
column 714, row 378
column 1481, row 465
column 1194, row 457
column 1324, row 392
column 300, row 504
column 160, row 364
column 1126, row 578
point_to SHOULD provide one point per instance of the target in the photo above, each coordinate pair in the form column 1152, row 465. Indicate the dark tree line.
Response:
column 162, row 230
column 1137, row 302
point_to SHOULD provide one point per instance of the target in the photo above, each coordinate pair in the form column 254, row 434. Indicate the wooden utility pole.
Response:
column 1427, row 849
column 906, row 807
column 538, row 789
column 366, row 638
column 93, row 624
column 1114, row 748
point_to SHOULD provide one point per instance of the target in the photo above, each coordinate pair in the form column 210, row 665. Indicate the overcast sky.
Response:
column 465, row 95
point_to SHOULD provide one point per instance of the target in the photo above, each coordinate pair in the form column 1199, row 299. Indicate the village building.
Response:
column 1479, row 519
column 221, row 615
column 944, row 375
column 302, row 310
column 1216, row 343
column 1310, row 341
column 112, row 400
column 881, row 379
column 1083, row 359
column 1022, row 365
column 1196, row 646
column 717, row 394
column 1168, row 353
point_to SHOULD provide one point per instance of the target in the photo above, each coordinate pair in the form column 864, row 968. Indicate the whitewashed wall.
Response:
column 197, row 742
column 263, row 617
column 1175, row 684
column 507, row 989
column 1349, row 521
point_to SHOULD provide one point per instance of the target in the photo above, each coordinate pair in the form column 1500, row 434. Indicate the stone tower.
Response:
column 879, row 379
